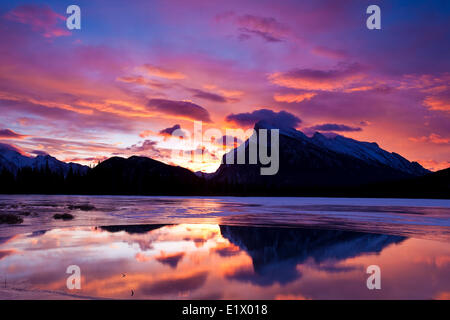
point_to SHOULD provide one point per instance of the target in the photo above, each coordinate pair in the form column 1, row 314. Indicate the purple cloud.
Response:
column 9, row 134
column 208, row 96
column 279, row 119
column 180, row 108
column 267, row 28
column 334, row 127
column 315, row 79
column 147, row 145
column 170, row 130
column 41, row 18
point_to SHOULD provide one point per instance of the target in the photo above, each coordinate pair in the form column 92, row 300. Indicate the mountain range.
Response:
column 318, row 165
column 12, row 160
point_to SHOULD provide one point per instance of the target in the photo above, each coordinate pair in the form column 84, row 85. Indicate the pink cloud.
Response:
column 212, row 96
column 183, row 109
column 294, row 97
column 163, row 72
column 41, row 18
column 146, row 133
column 146, row 146
column 432, row 138
column 434, row 165
column 268, row 29
column 329, row 52
column 438, row 103
column 9, row 134
column 86, row 160
column 140, row 80
column 323, row 80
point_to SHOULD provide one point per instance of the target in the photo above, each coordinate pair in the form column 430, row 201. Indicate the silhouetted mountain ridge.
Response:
column 317, row 162
column 141, row 175
column 309, row 166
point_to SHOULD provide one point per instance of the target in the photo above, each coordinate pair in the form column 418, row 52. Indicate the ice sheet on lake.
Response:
column 407, row 217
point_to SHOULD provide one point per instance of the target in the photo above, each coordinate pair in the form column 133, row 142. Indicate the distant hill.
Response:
column 141, row 175
column 432, row 185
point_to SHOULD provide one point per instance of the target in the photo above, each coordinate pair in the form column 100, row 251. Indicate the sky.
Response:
column 138, row 70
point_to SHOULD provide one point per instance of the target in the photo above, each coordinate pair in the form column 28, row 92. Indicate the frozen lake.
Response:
column 224, row 247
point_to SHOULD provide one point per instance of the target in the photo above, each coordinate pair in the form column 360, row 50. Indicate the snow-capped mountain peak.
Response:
column 12, row 159
column 367, row 151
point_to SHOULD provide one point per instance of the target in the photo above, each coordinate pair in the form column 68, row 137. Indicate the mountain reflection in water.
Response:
column 207, row 261
column 276, row 252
